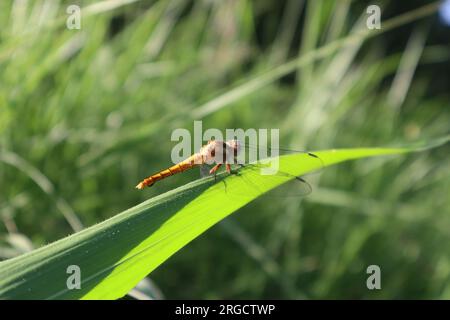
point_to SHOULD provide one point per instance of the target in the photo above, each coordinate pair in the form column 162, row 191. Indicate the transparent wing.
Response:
column 255, row 182
column 262, row 152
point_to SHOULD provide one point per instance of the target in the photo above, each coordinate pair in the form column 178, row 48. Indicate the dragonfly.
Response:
column 216, row 153
column 206, row 155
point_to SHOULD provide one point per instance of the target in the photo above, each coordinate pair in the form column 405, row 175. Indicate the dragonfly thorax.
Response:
column 216, row 151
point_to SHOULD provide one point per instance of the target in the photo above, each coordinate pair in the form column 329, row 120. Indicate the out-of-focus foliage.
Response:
column 85, row 114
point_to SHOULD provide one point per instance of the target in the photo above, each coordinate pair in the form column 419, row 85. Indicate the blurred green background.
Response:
column 85, row 114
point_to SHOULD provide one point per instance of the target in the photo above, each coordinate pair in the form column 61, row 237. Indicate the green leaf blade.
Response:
column 116, row 254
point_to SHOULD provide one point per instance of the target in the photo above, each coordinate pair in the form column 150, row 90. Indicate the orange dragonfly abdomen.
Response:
column 184, row 165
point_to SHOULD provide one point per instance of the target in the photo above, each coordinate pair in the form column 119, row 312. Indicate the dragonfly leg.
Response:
column 214, row 171
column 215, row 168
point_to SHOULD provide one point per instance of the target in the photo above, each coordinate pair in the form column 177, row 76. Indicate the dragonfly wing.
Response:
column 298, row 187
column 254, row 184
column 253, row 153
